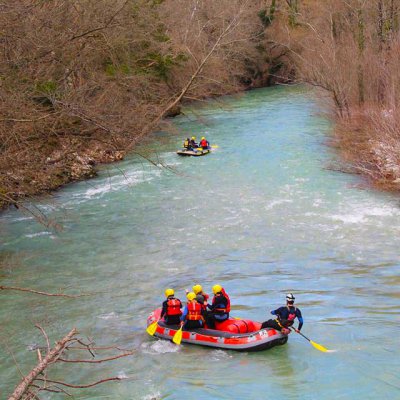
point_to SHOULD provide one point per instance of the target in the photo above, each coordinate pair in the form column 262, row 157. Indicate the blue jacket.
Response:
column 283, row 314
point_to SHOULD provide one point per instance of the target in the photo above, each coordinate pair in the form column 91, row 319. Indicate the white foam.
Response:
column 122, row 375
column 118, row 182
column 152, row 396
column 111, row 315
column 220, row 355
column 22, row 219
column 32, row 235
column 274, row 203
column 362, row 214
column 159, row 347
column 349, row 218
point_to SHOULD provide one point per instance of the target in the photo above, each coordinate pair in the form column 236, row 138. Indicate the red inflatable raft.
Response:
column 232, row 334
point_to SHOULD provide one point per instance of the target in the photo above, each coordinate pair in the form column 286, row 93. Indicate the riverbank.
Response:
column 74, row 99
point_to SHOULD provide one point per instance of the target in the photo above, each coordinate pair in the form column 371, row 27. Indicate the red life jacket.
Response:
column 173, row 307
column 194, row 311
column 227, row 309
column 290, row 319
column 204, row 143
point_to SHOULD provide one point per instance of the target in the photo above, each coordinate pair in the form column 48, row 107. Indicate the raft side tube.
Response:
column 251, row 341
column 193, row 153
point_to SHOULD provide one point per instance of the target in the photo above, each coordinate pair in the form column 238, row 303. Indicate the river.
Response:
column 262, row 215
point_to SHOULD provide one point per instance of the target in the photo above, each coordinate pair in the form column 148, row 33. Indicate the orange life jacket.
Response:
column 173, row 307
column 194, row 311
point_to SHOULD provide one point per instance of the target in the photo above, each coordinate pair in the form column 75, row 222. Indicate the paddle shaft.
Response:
column 304, row 336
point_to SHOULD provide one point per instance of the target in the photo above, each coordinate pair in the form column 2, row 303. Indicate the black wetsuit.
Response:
column 286, row 316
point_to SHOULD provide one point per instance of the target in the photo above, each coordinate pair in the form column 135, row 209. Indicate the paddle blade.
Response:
column 319, row 347
column 151, row 329
column 178, row 336
column 214, row 146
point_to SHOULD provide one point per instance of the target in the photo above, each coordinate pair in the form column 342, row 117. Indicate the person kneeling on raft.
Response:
column 201, row 297
column 285, row 317
column 192, row 317
column 171, row 308
column 186, row 144
column 204, row 143
column 220, row 307
column 193, row 143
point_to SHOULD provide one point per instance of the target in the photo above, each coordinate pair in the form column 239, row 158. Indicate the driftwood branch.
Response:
column 51, row 357
column 45, row 336
column 82, row 386
column 72, row 296
column 97, row 361
column 37, row 381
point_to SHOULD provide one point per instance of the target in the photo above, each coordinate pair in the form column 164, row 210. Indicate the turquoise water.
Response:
column 261, row 215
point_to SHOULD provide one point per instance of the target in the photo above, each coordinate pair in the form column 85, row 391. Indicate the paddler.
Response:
column 204, row 143
column 193, row 143
column 192, row 317
column 220, row 307
column 201, row 297
column 285, row 317
column 171, row 308
column 186, row 144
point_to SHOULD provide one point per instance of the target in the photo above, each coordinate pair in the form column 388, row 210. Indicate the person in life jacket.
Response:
column 186, row 144
column 201, row 297
column 192, row 317
column 204, row 143
column 220, row 306
column 193, row 143
column 285, row 317
column 171, row 308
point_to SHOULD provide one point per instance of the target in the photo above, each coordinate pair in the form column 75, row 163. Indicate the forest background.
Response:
column 83, row 81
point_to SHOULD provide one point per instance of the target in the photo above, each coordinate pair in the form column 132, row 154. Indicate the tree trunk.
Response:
column 361, row 46
column 50, row 357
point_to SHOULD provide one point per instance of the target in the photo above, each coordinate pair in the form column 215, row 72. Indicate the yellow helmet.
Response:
column 169, row 292
column 216, row 289
column 197, row 289
column 203, row 138
column 190, row 296
column 193, row 137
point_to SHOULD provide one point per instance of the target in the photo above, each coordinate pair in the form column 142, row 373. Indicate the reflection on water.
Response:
column 261, row 216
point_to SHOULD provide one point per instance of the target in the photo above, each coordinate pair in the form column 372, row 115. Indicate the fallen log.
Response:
column 51, row 357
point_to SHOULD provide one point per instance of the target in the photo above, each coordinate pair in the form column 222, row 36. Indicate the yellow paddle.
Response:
column 214, row 146
column 178, row 336
column 151, row 329
column 316, row 345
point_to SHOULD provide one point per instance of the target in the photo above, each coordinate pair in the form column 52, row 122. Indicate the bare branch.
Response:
column 45, row 335
column 71, row 296
column 83, row 386
column 96, row 361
